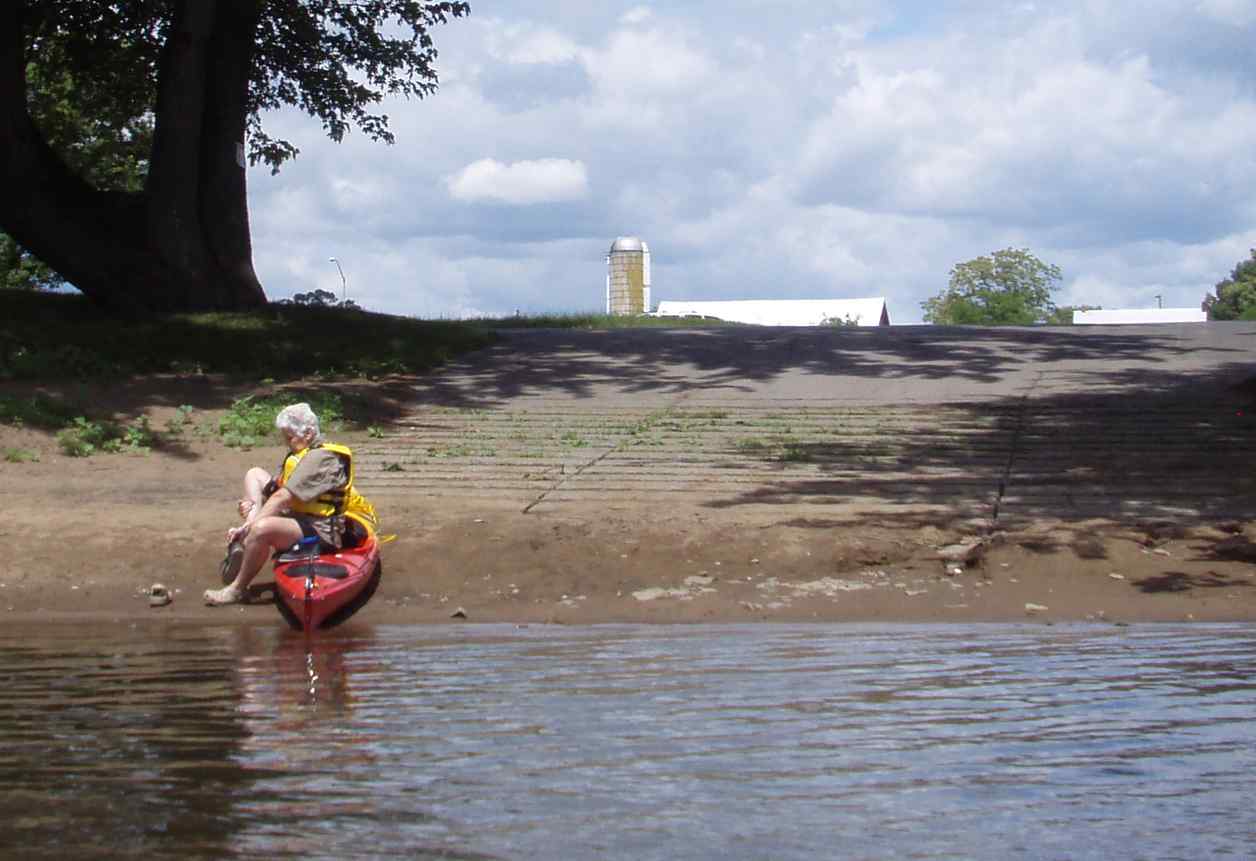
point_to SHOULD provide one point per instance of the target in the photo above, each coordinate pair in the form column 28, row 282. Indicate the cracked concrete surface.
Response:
column 981, row 426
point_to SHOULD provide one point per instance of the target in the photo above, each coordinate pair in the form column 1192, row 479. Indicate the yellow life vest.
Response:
column 346, row 501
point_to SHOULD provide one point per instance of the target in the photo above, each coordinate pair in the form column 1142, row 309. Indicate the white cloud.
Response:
column 636, row 15
column 647, row 71
column 1041, row 134
column 544, row 180
column 526, row 44
column 791, row 148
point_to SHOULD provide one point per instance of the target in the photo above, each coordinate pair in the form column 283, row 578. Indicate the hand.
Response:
column 237, row 532
column 246, row 505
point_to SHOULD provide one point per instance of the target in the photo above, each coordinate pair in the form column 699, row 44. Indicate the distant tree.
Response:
column 320, row 299
column 1235, row 298
column 204, row 72
column 1063, row 316
column 1007, row 288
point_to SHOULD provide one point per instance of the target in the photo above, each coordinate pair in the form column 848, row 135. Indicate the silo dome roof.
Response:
column 627, row 243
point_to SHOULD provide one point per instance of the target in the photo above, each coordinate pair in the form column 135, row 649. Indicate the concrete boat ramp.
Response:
column 993, row 426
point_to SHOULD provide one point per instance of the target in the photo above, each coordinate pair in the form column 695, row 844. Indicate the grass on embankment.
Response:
column 56, row 336
column 48, row 337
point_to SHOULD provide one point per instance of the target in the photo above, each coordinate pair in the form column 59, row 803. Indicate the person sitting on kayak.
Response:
column 312, row 497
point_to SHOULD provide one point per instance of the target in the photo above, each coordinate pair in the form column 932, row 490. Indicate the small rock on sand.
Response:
column 159, row 595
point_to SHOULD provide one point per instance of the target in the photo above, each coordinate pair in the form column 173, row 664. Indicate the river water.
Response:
column 633, row 742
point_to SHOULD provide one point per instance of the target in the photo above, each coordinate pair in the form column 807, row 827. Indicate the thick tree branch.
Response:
column 46, row 206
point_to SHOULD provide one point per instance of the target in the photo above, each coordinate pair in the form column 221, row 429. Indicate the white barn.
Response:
column 783, row 312
column 1125, row 316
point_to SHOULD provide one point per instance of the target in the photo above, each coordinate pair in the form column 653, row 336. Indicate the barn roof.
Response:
column 1118, row 316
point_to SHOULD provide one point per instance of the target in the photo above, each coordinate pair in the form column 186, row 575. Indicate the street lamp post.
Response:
column 344, row 285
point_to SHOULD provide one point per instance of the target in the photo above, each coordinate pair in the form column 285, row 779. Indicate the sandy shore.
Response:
column 89, row 536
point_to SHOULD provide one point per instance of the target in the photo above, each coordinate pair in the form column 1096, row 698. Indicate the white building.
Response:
column 1126, row 316
column 784, row 312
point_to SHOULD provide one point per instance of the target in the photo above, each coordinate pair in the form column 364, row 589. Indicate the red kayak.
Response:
column 320, row 590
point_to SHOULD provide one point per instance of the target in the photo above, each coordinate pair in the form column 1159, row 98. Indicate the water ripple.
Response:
column 631, row 742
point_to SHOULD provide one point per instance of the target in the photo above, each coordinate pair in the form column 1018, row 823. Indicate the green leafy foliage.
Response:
column 1010, row 287
column 251, row 420
column 84, row 438
column 101, row 125
column 1235, row 297
column 177, row 425
column 334, row 60
column 319, row 299
column 1063, row 316
column 77, row 435
column 99, row 77
column 20, row 270
column 35, row 412
column 847, row 322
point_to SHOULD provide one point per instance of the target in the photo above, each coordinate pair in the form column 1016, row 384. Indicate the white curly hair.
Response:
column 300, row 421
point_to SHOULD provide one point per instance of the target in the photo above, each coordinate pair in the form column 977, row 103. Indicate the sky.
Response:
column 791, row 149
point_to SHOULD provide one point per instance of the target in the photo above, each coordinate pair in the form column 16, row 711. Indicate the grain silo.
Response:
column 628, row 277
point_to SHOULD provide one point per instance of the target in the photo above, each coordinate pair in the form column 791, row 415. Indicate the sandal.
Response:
column 230, row 566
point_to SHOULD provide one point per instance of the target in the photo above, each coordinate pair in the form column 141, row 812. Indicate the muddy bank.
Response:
column 92, row 535
column 87, row 537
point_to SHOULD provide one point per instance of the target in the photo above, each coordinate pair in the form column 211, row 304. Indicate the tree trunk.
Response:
column 182, row 243
column 224, row 197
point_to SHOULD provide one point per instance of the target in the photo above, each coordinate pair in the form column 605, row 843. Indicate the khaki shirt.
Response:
column 317, row 473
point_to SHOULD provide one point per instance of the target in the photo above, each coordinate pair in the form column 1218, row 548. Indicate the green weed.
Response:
column 250, row 421
column 795, row 453
column 20, row 455
column 84, row 438
column 571, row 439
column 442, row 451
column 177, row 425
column 36, row 412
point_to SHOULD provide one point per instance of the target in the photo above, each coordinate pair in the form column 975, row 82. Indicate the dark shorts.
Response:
column 333, row 533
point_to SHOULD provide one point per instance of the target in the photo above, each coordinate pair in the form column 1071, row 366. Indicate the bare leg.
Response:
column 255, row 481
column 265, row 536
column 250, row 506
